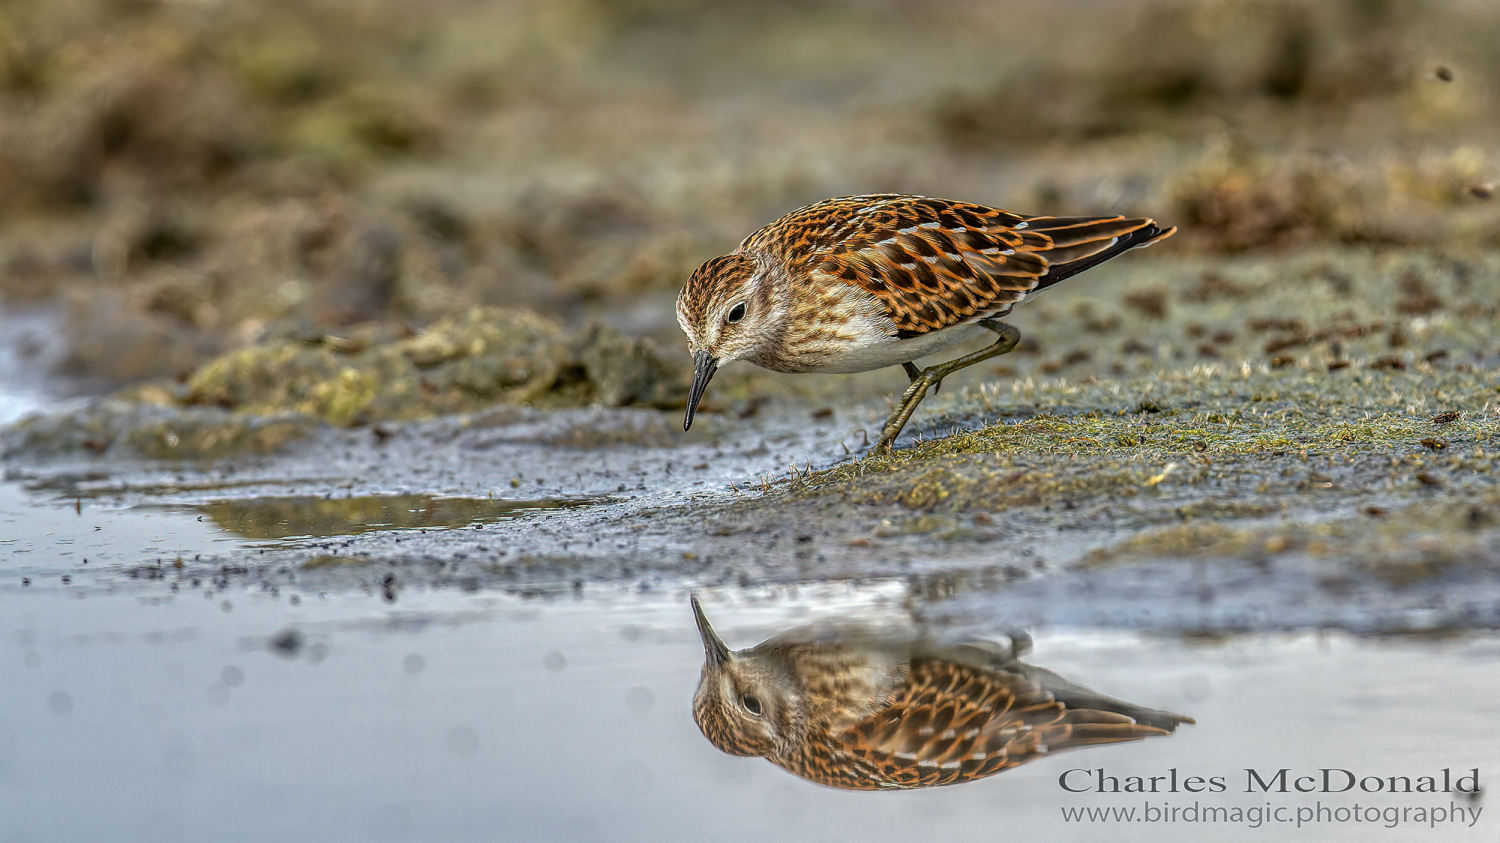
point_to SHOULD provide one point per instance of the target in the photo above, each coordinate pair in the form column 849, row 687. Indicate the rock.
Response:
column 622, row 370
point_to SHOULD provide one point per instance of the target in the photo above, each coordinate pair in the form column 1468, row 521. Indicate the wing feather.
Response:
column 953, row 722
column 936, row 263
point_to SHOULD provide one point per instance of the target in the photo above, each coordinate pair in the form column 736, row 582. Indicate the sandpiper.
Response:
column 860, row 707
column 863, row 282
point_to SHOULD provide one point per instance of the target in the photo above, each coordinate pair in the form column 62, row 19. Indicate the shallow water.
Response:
column 481, row 716
column 306, row 517
column 39, row 537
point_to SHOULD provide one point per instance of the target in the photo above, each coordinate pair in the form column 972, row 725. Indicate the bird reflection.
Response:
column 860, row 707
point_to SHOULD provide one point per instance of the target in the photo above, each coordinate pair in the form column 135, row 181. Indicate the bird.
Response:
column 857, row 283
column 861, row 707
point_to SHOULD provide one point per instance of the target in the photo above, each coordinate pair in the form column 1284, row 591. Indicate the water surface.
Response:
column 246, row 715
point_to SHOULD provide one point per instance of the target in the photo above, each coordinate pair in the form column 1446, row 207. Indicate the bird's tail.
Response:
column 1076, row 696
column 1082, row 243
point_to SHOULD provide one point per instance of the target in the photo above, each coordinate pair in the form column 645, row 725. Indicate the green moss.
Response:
column 280, row 374
column 344, row 398
column 463, row 363
column 1413, row 544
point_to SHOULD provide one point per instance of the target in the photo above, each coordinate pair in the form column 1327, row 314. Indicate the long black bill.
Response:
column 704, row 366
column 714, row 649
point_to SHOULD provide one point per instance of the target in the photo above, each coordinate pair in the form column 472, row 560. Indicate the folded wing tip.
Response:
column 1161, row 234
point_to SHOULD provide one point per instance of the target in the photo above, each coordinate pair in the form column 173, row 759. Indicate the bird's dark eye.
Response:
column 736, row 313
column 752, row 704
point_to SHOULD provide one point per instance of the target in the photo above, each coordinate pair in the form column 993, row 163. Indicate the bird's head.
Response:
column 728, row 311
column 746, row 703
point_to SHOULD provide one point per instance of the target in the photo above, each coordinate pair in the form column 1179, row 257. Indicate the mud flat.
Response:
column 1264, row 448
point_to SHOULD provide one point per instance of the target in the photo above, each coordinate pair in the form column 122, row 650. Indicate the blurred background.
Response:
column 189, row 177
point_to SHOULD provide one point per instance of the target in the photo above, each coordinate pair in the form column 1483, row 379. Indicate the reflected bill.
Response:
column 861, row 707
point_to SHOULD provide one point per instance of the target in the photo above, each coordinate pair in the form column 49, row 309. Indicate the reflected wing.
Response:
column 952, row 723
column 936, row 263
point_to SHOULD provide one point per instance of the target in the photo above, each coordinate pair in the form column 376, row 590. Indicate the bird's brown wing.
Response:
column 952, row 723
column 936, row 263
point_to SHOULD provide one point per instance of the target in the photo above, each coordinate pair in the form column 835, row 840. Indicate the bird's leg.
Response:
column 912, row 373
column 932, row 375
